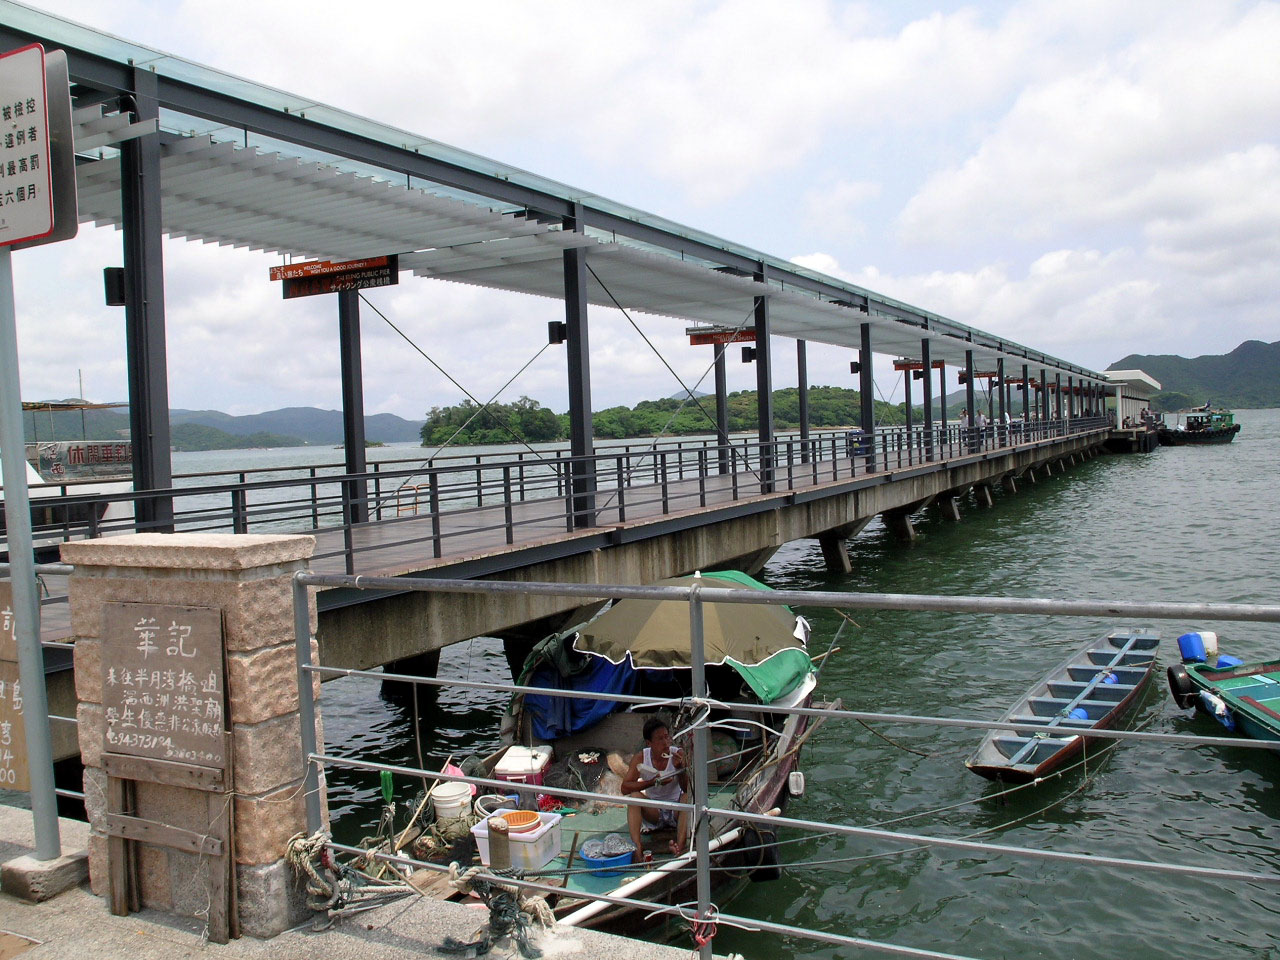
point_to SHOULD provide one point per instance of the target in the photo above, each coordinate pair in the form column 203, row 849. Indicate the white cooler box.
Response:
column 530, row 850
column 523, row 764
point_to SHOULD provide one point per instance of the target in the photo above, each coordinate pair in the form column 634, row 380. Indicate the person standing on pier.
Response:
column 657, row 772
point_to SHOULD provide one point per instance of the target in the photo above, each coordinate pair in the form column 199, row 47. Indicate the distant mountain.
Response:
column 274, row 428
column 1248, row 376
column 306, row 423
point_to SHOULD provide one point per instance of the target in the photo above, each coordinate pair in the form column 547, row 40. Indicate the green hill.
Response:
column 1248, row 376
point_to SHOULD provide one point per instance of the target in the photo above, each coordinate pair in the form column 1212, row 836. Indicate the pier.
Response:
column 273, row 582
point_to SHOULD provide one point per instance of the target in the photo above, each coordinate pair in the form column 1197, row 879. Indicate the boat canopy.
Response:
column 764, row 643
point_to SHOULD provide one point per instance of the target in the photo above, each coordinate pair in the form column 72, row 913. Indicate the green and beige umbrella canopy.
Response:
column 656, row 632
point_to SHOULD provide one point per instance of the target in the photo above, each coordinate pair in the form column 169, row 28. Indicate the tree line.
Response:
column 526, row 420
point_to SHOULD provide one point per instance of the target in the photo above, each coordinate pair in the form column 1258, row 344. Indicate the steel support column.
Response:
column 942, row 397
column 1044, row 394
column 1071, row 397
column 906, row 401
column 866, row 394
column 722, row 407
column 764, row 388
column 970, row 400
column 581, row 438
column 1003, row 388
column 1057, row 396
column 802, row 393
column 1026, row 393
column 926, row 381
column 353, row 402
column 144, row 312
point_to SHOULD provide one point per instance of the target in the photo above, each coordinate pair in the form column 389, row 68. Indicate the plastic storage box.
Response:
column 531, row 850
column 608, row 866
column 523, row 764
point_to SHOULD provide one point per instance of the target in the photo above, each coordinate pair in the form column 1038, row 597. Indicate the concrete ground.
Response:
column 78, row 926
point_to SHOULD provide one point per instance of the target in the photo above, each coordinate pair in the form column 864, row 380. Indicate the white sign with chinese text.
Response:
column 26, row 190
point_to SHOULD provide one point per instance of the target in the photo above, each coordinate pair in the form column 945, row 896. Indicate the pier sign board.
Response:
column 323, row 276
column 26, row 191
column 37, row 153
column 722, row 336
column 162, row 673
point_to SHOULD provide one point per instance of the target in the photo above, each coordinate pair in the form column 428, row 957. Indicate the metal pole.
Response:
column 926, row 381
column 701, row 827
column 802, row 392
column 306, row 705
column 17, row 513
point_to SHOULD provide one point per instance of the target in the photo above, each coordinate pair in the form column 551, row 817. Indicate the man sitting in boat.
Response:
column 657, row 772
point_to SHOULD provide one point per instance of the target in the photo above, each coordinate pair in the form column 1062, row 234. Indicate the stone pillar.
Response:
column 248, row 579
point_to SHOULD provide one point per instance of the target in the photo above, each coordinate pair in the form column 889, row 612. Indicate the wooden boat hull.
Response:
column 1042, row 736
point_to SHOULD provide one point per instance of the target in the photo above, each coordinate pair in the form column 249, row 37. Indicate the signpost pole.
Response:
column 17, row 510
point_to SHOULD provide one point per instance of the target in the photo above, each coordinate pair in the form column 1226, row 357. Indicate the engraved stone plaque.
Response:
column 162, row 683
column 13, row 733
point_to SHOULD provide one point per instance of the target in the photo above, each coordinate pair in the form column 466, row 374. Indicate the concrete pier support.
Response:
column 950, row 507
column 899, row 520
column 421, row 665
column 834, row 551
column 835, row 554
column 248, row 581
column 983, row 492
column 1010, row 484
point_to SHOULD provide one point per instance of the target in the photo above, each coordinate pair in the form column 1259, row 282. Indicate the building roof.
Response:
column 247, row 165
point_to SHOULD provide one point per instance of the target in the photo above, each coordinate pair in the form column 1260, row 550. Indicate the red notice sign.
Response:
column 324, row 276
column 722, row 336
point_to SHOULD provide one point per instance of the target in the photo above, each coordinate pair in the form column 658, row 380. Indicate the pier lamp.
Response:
column 748, row 354
column 557, row 331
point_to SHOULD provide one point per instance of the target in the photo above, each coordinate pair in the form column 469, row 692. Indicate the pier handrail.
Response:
column 615, row 485
column 700, row 807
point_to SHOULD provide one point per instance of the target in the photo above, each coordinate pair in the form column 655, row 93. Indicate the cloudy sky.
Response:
column 1088, row 177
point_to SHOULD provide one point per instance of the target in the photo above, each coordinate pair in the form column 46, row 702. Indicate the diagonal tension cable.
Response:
column 722, row 437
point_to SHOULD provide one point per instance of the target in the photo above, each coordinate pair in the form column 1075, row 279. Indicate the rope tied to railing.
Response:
column 512, row 913
column 311, row 856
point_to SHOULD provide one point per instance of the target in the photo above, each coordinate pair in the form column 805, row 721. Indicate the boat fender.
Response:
column 1226, row 661
column 1180, row 685
column 767, row 865
column 1217, row 708
column 1191, row 648
column 795, row 783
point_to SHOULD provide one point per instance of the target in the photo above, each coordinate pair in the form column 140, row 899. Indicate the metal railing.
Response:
column 517, row 497
column 703, row 913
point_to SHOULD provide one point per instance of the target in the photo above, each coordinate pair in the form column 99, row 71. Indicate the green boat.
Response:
column 1204, row 425
column 1243, row 697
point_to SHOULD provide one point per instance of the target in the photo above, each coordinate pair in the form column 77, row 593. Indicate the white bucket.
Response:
column 1210, row 641
column 451, row 800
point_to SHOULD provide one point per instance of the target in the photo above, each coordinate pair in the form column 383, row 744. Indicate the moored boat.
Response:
column 1244, row 697
column 1049, row 725
column 755, row 654
column 1203, row 425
